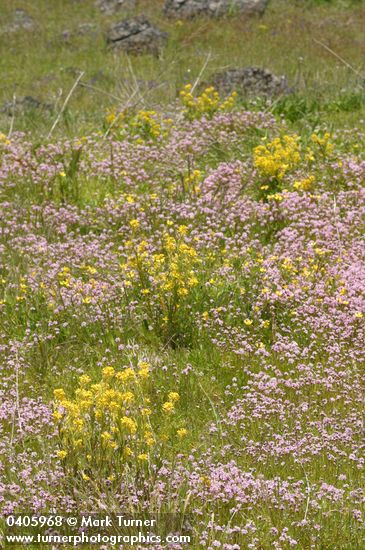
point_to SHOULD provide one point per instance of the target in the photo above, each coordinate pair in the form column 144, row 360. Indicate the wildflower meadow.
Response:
column 182, row 324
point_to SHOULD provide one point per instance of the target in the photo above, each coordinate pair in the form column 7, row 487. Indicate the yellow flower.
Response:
column 149, row 439
column 106, row 436
column 129, row 424
column 57, row 415
column 143, row 457
column 126, row 375
column 59, row 394
column 127, row 452
column 278, row 157
column 127, row 397
column 79, row 424
column 248, row 322
column 108, row 372
column 182, row 432
column 275, row 197
column 144, row 369
column 168, row 407
column 61, row 454
column 304, row 184
column 358, row 315
column 182, row 291
column 134, row 224
column 83, row 395
column 113, row 406
column 84, row 380
column 174, row 397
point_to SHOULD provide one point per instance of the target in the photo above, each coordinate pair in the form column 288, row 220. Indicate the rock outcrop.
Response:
column 21, row 21
column 250, row 81
column 23, row 105
column 192, row 8
column 111, row 7
column 136, row 36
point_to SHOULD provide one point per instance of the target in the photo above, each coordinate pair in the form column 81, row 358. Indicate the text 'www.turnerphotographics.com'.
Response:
column 95, row 529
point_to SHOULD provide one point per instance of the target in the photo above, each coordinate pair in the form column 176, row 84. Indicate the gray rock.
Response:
column 87, row 28
column 22, row 105
column 83, row 29
column 136, row 35
column 250, row 81
column 21, row 21
column 111, row 7
column 192, row 8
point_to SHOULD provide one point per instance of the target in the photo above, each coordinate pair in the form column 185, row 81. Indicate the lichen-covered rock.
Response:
column 192, row 8
column 136, row 35
column 250, row 81
column 21, row 21
column 83, row 29
column 22, row 105
column 111, row 7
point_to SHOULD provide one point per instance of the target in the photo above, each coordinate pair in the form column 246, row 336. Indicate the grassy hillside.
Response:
column 44, row 63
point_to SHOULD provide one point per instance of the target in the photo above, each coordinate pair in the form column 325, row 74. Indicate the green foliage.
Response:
column 348, row 101
column 296, row 107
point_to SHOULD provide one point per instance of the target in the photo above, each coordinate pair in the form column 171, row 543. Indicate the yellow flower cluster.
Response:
column 206, row 104
column 64, row 277
column 192, row 181
column 80, row 282
column 23, row 287
column 278, row 157
column 323, row 143
column 162, row 281
column 106, row 426
column 4, row 139
column 114, row 118
column 144, row 125
column 278, row 197
column 169, row 405
column 305, row 184
column 170, row 273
